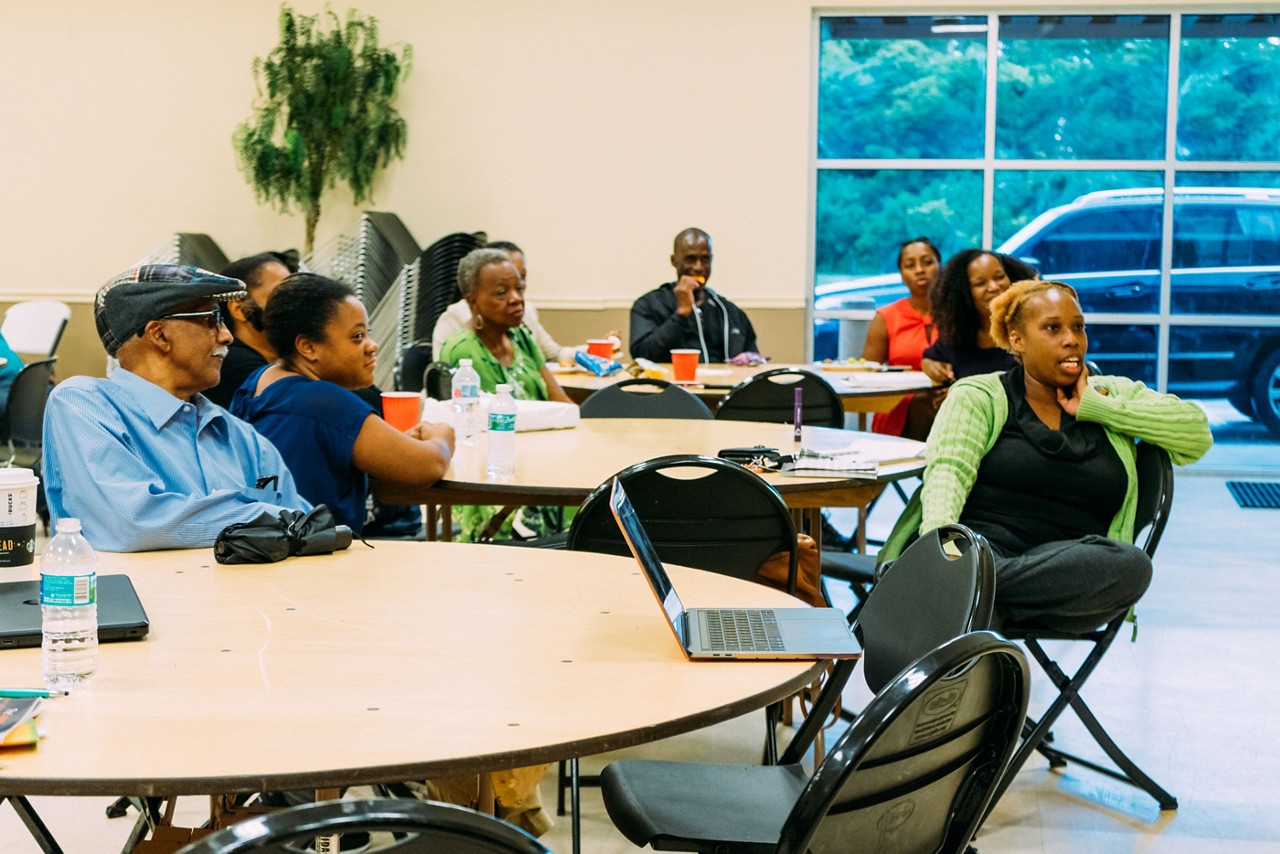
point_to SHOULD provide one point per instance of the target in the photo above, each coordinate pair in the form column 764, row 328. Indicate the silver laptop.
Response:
column 120, row 614
column 754, row 633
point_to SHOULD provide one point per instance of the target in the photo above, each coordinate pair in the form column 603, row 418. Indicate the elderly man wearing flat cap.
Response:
column 142, row 458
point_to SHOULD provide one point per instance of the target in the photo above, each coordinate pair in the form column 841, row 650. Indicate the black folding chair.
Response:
column 915, row 772
column 421, row 828
column 703, row 512
column 437, row 381
column 23, row 422
column 643, row 398
column 1155, row 496
column 769, row 396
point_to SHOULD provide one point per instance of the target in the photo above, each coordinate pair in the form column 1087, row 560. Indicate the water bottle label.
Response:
column 63, row 590
column 471, row 390
column 502, row 422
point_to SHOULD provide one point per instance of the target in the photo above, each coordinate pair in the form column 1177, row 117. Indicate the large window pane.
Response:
column 901, row 87
column 1124, row 350
column 1082, row 87
column 1104, row 242
column 1226, row 250
column 1234, row 373
column 863, row 215
column 1229, row 91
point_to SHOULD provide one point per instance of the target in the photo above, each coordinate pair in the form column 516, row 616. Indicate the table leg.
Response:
column 35, row 825
column 439, row 523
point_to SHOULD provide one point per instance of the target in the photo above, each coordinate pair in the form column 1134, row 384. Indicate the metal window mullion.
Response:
column 811, row 249
column 1166, row 212
column 989, row 131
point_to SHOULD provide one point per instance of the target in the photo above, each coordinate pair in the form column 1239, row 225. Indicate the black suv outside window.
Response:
column 1098, row 242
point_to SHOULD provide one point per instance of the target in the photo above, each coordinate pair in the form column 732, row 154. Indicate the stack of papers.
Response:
column 862, row 457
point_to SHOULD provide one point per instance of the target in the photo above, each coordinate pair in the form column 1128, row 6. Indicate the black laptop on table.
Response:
column 120, row 613
column 718, row 633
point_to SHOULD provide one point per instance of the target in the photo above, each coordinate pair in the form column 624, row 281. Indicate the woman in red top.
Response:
column 901, row 331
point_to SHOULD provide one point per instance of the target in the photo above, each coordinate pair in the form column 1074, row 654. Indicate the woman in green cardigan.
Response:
column 1041, row 461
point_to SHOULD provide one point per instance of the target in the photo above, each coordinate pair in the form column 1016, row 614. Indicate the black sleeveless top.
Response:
column 1038, row 485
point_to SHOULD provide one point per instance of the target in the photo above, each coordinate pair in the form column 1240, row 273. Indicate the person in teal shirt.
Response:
column 8, row 371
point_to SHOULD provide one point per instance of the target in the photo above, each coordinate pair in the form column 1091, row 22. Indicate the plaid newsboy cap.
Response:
column 140, row 295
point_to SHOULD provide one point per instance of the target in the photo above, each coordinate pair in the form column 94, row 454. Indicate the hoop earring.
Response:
column 477, row 322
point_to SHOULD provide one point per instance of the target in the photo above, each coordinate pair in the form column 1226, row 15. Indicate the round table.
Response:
column 862, row 391
column 561, row 467
column 399, row 662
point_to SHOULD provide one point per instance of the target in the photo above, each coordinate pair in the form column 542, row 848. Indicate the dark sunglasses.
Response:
column 212, row 318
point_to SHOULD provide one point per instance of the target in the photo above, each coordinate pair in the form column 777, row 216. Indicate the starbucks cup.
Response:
column 17, row 516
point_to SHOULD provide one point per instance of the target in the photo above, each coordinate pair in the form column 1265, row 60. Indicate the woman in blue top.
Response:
column 305, row 404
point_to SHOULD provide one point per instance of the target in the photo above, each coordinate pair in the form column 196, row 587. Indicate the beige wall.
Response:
column 590, row 132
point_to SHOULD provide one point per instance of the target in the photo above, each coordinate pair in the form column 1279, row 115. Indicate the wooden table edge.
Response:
column 341, row 777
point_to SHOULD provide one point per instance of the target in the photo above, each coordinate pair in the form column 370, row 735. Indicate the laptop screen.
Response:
column 642, row 548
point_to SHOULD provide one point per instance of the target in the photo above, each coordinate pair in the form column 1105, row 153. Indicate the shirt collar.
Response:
column 159, row 405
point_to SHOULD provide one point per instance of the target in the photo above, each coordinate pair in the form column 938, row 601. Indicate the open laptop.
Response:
column 754, row 633
column 120, row 614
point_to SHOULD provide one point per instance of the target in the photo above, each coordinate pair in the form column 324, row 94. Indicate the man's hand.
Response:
column 939, row 372
column 687, row 290
column 427, row 431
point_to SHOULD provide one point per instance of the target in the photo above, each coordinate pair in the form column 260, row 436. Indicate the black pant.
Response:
column 1070, row 585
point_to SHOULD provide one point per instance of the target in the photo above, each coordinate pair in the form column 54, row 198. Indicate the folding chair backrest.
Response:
column 24, row 413
column 438, row 279
column 703, row 512
column 770, row 397
column 941, row 587
column 35, row 326
column 916, row 770
column 643, row 398
column 430, row 827
column 1155, row 496
column 437, row 381
column 411, row 363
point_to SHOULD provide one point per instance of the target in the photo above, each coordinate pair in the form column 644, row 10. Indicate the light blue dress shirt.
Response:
column 144, row 470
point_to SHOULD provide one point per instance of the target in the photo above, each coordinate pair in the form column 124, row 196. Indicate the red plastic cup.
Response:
column 684, row 365
column 401, row 409
column 601, row 347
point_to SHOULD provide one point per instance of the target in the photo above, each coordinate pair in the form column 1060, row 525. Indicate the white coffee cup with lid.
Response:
column 17, row 516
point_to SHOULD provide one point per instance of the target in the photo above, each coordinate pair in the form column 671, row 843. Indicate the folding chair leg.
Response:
column 1069, row 695
column 562, row 781
column 575, row 792
column 1129, row 772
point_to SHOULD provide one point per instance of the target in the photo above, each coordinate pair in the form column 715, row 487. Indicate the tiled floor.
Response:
column 1195, row 702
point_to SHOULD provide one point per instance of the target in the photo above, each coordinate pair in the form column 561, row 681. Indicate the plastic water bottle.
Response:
column 502, row 435
column 468, row 419
column 69, row 607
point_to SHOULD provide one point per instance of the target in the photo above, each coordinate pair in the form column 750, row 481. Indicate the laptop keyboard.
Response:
column 742, row 630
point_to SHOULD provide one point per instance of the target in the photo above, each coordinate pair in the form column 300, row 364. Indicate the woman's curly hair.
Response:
column 951, row 299
column 1006, row 309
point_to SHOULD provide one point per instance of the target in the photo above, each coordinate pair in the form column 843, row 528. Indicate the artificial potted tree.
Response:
column 325, row 112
